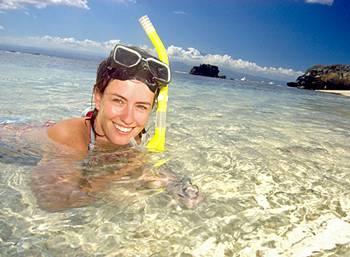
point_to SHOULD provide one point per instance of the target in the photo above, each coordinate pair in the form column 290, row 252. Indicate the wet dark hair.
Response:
column 105, row 73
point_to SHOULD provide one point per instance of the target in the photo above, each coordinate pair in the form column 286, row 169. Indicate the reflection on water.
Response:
column 272, row 162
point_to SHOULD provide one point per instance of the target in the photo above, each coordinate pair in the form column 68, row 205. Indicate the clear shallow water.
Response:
column 273, row 163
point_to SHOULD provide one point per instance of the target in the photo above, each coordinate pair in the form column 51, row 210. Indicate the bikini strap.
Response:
column 92, row 140
column 89, row 113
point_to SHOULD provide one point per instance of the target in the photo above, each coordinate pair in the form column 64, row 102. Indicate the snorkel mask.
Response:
column 134, row 63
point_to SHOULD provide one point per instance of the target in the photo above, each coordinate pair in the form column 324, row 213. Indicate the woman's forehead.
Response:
column 130, row 89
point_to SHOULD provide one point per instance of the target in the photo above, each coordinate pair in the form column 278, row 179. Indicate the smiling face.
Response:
column 123, row 110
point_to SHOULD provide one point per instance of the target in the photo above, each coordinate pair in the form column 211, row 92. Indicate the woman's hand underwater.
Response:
column 185, row 193
column 181, row 189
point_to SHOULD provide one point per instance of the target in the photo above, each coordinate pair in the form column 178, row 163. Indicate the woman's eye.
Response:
column 142, row 107
column 118, row 101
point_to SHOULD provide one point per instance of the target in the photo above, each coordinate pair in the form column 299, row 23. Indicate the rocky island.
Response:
column 206, row 70
column 330, row 78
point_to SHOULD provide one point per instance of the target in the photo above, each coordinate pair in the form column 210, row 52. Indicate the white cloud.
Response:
column 193, row 56
column 2, row 27
column 189, row 56
column 19, row 4
column 73, row 44
column 59, row 43
column 326, row 2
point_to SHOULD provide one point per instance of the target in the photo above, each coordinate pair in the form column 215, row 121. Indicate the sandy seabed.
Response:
column 337, row 92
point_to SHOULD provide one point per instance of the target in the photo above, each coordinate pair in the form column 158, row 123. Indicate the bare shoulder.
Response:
column 71, row 132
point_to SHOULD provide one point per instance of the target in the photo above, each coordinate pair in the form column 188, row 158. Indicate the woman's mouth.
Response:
column 122, row 128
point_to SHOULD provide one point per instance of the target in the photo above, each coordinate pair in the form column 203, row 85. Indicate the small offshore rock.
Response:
column 207, row 70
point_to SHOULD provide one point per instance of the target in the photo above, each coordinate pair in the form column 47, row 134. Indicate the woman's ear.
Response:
column 97, row 99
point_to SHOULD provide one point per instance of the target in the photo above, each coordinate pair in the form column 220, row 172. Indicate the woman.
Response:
column 127, row 85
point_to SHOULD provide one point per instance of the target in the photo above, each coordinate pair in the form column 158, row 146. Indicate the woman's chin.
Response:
column 121, row 139
column 118, row 137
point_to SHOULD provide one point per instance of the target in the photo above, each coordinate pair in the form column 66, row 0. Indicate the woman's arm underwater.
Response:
column 56, row 178
column 144, row 175
column 69, row 180
column 64, row 179
column 57, row 186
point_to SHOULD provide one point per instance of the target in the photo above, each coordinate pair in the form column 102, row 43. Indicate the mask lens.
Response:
column 126, row 57
column 159, row 70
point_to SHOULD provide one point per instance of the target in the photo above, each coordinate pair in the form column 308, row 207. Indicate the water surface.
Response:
column 273, row 163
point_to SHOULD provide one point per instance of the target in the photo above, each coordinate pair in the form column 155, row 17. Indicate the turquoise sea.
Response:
column 272, row 162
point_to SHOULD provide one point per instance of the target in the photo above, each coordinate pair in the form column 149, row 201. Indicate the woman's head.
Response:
column 123, row 110
column 124, row 96
column 126, row 63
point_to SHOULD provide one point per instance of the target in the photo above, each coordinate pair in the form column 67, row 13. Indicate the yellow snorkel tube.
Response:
column 157, row 142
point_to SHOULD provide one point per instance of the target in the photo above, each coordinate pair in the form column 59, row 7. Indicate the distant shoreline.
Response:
column 51, row 52
column 336, row 92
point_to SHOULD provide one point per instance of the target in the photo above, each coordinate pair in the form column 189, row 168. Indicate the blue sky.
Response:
column 273, row 38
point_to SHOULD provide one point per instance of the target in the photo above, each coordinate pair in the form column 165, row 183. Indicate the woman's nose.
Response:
column 127, row 115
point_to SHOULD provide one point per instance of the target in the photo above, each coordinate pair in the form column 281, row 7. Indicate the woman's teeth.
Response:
column 123, row 129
